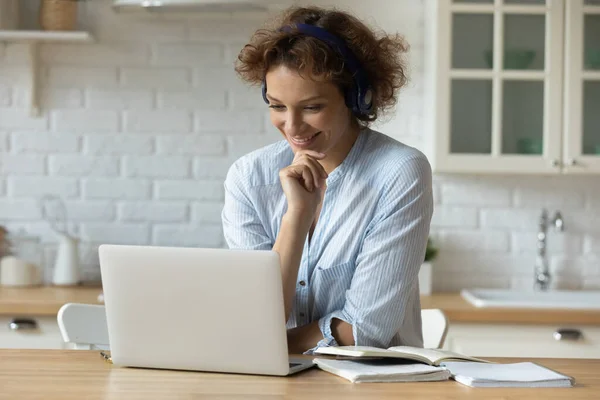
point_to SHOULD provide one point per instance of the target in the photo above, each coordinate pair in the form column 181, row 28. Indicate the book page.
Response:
column 518, row 372
column 360, row 352
column 433, row 355
column 355, row 351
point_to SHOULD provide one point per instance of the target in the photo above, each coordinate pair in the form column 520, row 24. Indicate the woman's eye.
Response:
column 276, row 107
column 313, row 108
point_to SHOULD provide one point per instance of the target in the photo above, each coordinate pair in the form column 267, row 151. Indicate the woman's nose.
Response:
column 293, row 123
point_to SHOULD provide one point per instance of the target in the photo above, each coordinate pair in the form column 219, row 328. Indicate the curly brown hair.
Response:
column 380, row 55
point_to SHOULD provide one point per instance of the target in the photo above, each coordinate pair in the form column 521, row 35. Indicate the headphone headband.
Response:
column 333, row 41
column 359, row 96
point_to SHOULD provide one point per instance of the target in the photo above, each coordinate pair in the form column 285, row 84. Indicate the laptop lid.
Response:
column 195, row 309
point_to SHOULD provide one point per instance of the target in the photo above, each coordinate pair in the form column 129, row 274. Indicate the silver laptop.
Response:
column 196, row 309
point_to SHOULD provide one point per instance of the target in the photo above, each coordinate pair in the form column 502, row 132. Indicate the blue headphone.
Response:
column 358, row 97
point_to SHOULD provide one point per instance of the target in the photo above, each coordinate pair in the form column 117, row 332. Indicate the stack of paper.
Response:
column 382, row 371
column 525, row 374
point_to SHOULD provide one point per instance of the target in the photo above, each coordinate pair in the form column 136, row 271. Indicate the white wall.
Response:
column 138, row 130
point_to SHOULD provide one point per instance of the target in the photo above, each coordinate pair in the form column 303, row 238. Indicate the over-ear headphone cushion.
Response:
column 264, row 91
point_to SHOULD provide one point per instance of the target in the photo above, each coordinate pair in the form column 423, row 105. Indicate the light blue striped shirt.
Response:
column 363, row 259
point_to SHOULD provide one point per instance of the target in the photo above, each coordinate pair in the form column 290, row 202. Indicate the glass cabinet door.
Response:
column 591, row 85
column 523, row 100
column 504, row 85
column 582, row 133
column 591, row 118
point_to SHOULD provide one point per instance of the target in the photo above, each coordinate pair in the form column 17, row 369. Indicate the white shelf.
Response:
column 33, row 39
column 45, row 36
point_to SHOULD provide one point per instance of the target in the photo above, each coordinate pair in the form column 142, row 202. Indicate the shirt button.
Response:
column 302, row 283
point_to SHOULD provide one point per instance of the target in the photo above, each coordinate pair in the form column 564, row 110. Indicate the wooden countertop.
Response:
column 47, row 300
column 44, row 301
column 458, row 309
column 79, row 374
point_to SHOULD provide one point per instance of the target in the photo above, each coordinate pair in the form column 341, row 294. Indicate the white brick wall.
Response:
column 44, row 142
column 19, row 209
column 192, row 100
column 116, row 189
column 3, row 141
column 139, row 129
column 82, row 166
column 5, row 96
column 60, row 98
column 116, row 233
column 37, row 186
column 188, row 235
column 199, row 145
column 156, row 166
column 85, row 77
column 118, row 144
column 119, row 100
column 158, row 121
column 96, row 55
column 153, row 211
column 162, row 78
column 219, row 121
column 187, row 54
column 82, row 120
column 189, row 190
column 19, row 118
column 19, row 164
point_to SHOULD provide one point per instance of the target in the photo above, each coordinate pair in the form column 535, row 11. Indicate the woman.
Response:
column 347, row 208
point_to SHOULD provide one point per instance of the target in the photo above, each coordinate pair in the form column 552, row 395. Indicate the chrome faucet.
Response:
column 542, row 273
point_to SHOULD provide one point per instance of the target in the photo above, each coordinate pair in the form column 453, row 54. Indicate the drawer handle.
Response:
column 20, row 324
column 568, row 334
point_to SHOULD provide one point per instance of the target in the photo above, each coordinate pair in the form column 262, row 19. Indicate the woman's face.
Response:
column 309, row 114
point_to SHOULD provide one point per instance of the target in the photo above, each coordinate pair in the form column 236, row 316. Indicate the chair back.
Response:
column 83, row 325
column 435, row 327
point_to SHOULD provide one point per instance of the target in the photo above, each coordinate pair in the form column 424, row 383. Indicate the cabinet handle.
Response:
column 573, row 162
column 555, row 163
column 568, row 334
column 19, row 324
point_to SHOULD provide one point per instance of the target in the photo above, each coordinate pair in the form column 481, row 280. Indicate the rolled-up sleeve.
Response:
column 388, row 264
column 242, row 227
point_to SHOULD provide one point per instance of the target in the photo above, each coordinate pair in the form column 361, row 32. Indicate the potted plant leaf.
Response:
column 425, row 273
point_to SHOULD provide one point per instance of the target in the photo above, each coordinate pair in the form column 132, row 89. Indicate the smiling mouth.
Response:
column 305, row 140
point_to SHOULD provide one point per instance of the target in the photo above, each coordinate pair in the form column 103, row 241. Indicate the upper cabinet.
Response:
column 513, row 86
column 582, row 87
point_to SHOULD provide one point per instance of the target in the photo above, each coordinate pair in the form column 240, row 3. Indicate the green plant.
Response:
column 431, row 251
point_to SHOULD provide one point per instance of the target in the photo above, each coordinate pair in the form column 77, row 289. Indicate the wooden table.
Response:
column 77, row 374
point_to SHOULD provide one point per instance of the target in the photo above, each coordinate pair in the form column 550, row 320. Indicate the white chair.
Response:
column 435, row 327
column 84, row 326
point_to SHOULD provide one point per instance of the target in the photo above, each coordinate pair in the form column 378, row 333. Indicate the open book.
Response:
column 427, row 356
column 382, row 370
column 523, row 374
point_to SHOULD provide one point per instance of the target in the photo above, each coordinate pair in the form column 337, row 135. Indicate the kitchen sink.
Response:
column 582, row 299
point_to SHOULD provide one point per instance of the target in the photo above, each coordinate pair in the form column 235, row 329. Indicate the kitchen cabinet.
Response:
column 517, row 340
column 513, row 86
column 32, row 332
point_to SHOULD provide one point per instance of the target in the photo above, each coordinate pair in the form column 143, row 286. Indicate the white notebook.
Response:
column 525, row 374
column 382, row 371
